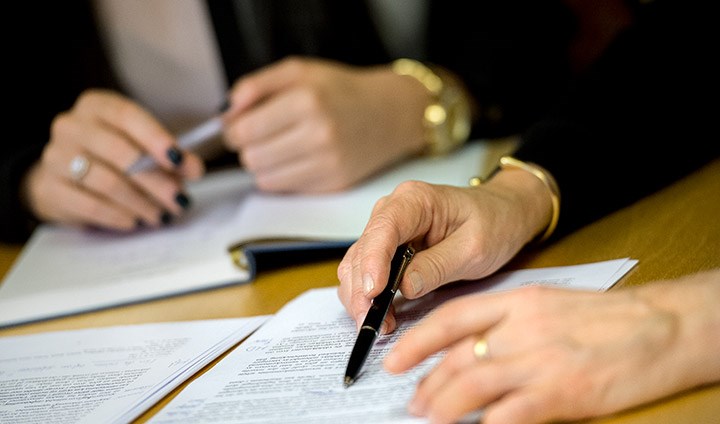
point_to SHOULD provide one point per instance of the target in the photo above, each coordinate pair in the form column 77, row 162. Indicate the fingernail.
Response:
column 368, row 283
column 182, row 200
column 416, row 281
column 175, row 156
column 166, row 218
column 359, row 320
column 384, row 327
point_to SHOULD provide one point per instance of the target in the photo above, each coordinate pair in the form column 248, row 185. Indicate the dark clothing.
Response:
column 511, row 54
column 514, row 67
column 56, row 55
column 640, row 118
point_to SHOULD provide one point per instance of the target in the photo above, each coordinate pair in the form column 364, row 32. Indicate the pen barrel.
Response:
column 361, row 350
column 379, row 308
column 376, row 314
column 382, row 302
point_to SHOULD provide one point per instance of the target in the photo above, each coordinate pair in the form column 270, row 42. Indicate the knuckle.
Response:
column 310, row 100
column 110, row 183
column 90, row 98
column 249, row 86
column 413, row 186
column 125, row 113
column 294, row 65
column 530, row 294
column 266, row 183
column 96, row 207
column 326, row 131
column 61, row 124
column 86, row 98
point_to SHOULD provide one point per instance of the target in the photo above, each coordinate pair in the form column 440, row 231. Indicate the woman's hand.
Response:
column 307, row 125
column 558, row 354
column 111, row 133
column 458, row 232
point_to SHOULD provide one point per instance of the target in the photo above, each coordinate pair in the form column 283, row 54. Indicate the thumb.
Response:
column 434, row 267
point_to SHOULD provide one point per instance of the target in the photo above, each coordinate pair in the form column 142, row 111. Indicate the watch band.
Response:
column 447, row 118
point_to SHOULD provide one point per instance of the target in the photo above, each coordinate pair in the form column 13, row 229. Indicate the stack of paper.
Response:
column 108, row 375
column 291, row 370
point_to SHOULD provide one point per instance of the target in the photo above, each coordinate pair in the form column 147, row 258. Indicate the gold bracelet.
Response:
column 509, row 162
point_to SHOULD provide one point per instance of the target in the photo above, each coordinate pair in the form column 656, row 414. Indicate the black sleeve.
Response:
column 638, row 120
column 54, row 55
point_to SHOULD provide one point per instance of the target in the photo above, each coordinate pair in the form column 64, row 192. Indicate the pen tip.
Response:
column 348, row 382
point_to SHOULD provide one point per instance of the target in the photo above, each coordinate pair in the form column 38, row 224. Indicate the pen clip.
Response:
column 404, row 261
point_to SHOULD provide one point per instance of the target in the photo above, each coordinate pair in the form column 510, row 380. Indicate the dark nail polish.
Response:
column 166, row 218
column 175, row 156
column 182, row 200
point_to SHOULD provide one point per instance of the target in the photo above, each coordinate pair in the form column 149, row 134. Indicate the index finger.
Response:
column 397, row 218
column 448, row 324
column 126, row 117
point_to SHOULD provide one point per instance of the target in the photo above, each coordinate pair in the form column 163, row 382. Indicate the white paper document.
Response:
column 291, row 370
column 107, row 375
column 63, row 271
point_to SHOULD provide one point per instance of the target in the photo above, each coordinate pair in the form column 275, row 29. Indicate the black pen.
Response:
column 375, row 316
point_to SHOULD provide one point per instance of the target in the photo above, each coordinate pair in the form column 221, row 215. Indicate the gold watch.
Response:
column 447, row 118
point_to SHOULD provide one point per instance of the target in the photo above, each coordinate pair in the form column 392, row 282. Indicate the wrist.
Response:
column 447, row 116
column 691, row 302
column 536, row 188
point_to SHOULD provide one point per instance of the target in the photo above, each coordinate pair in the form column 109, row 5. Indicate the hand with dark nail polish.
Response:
column 175, row 156
column 166, row 218
column 183, row 200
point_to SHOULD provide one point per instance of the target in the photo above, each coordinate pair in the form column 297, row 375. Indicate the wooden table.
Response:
column 673, row 232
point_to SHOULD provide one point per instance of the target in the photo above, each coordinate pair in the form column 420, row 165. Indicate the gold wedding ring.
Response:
column 79, row 167
column 481, row 350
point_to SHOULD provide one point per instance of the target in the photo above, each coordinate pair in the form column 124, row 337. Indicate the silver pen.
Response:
column 186, row 141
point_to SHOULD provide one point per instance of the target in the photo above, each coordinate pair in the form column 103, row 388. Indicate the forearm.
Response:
column 692, row 302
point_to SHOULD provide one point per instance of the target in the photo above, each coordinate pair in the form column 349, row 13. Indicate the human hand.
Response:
column 558, row 354
column 459, row 233
column 307, row 125
column 111, row 132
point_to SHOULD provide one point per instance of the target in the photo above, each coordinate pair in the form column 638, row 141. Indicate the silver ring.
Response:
column 481, row 350
column 79, row 167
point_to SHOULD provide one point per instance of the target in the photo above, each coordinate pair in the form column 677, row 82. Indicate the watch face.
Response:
column 448, row 124
column 447, row 121
column 435, row 115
